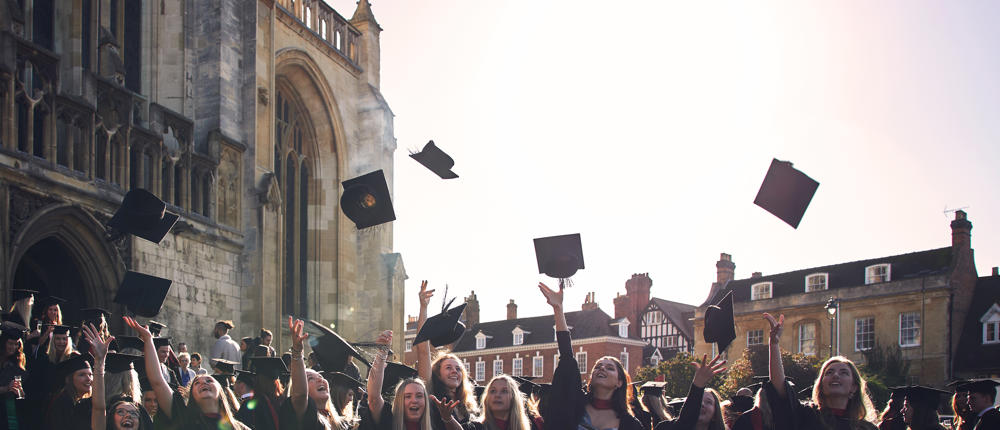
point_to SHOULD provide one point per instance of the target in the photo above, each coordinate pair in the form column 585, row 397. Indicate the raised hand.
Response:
column 554, row 298
column 143, row 332
column 704, row 372
column 98, row 345
column 425, row 295
column 384, row 338
column 297, row 327
column 444, row 407
column 777, row 326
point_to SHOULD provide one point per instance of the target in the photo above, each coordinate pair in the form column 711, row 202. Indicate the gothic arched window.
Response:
column 293, row 167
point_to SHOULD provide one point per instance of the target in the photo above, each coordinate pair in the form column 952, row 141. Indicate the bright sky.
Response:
column 647, row 126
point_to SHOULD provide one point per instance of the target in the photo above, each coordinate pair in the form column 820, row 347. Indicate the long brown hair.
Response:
column 464, row 393
column 718, row 422
column 224, row 409
column 621, row 398
column 859, row 406
column 18, row 357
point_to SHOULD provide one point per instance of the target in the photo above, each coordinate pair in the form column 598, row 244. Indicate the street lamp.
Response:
column 832, row 308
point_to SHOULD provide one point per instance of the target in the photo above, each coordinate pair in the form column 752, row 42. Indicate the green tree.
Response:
column 884, row 367
column 677, row 374
column 799, row 368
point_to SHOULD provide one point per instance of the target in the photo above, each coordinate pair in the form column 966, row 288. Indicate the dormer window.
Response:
column 816, row 282
column 877, row 273
column 481, row 340
column 519, row 333
column 991, row 325
column 623, row 329
column 760, row 291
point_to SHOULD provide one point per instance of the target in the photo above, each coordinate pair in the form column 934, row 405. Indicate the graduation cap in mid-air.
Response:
column 436, row 160
column 719, row 325
column 366, row 200
column 394, row 373
column 559, row 256
column 786, row 192
column 143, row 214
column 142, row 293
column 444, row 328
column 332, row 351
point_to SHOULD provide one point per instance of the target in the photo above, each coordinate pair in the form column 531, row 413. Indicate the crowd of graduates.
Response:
column 54, row 376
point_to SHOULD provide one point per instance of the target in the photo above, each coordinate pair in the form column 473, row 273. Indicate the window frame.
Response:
column 583, row 366
column 991, row 319
column 770, row 291
column 408, row 345
column 760, row 339
column 826, row 282
column 496, row 362
column 480, row 342
column 537, row 366
column 623, row 358
column 623, row 329
column 871, row 333
column 918, row 327
column 869, row 277
column 518, row 338
column 517, row 366
column 800, row 339
column 480, row 370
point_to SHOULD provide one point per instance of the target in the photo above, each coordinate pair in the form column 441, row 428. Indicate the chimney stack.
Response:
column 724, row 269
column 756, row 275
column 590, row 303
column 996, row 271
column 411, row 322
column 472, row 310
column 623, row 305
column 511, row 310
column 963, row 273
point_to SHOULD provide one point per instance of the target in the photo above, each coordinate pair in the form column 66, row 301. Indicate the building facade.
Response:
column 916, row 301
column 527, row 346
column 243, row 115
column 663, row 324
column 979, row 344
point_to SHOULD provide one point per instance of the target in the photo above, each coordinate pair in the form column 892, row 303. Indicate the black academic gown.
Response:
column 64, row 414
column 789, row 413
column 265, row 414
column 187, row 417
column 14, row 414
column 688, row 417
column 989, row 421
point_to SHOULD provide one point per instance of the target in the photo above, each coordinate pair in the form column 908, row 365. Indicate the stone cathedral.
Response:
column 242, row 115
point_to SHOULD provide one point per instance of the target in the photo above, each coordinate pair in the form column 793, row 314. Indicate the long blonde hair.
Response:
column 518, row 419
column 224, row 409
column 465, row 394
column 399, row 409
column 63, row 355
column 859, row 406
column 23, row 308
column 122, row 384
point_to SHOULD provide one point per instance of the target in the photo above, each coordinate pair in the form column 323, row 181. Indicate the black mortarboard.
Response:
column 19, row 294
column 786, row 192
column 959, row 384
column 921, row 397
column 719, row 325
column 49, row 301
column 155, row 327
column 332, row 351
column 117, row 362
column 652, row 388
column 525, row 385
column 225, row 366
column 741, row 403
column 94, row 314
column 436, row 160
column 224, row 379
column 676, row 404
column 144, row 215
column 12, row 330
column 159, row 342
column 246, row 377
column 122, row 342
column 395, row 372
column 143, row 294
column 542, row 389
column 982, row 386
column 268, row 367
column 342, row 380
column 61, row 329
column 74, row 363
column 559, row 256
column 444, row 328
column 366, row 200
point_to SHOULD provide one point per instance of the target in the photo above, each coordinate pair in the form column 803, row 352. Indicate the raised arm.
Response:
column 424, row 348
column 299, row 395
column 99, row 349
column 375, row 374
column 164, row 395
column 702, row 374
column 776, row 370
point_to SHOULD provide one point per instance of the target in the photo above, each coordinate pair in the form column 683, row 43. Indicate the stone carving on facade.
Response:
column 23, row 205
column 262, row 95
column 112, row 66
column 229, row 186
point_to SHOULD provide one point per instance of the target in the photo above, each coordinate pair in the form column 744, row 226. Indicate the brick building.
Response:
column 917, row 301
column 527, row 346
column 663, row 324
column 243, row 115
column 979, row 342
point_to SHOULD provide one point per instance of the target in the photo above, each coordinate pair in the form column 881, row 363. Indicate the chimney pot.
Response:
column 511, row 310
column 996, row 271
column 725, row 269
column 756, row 275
